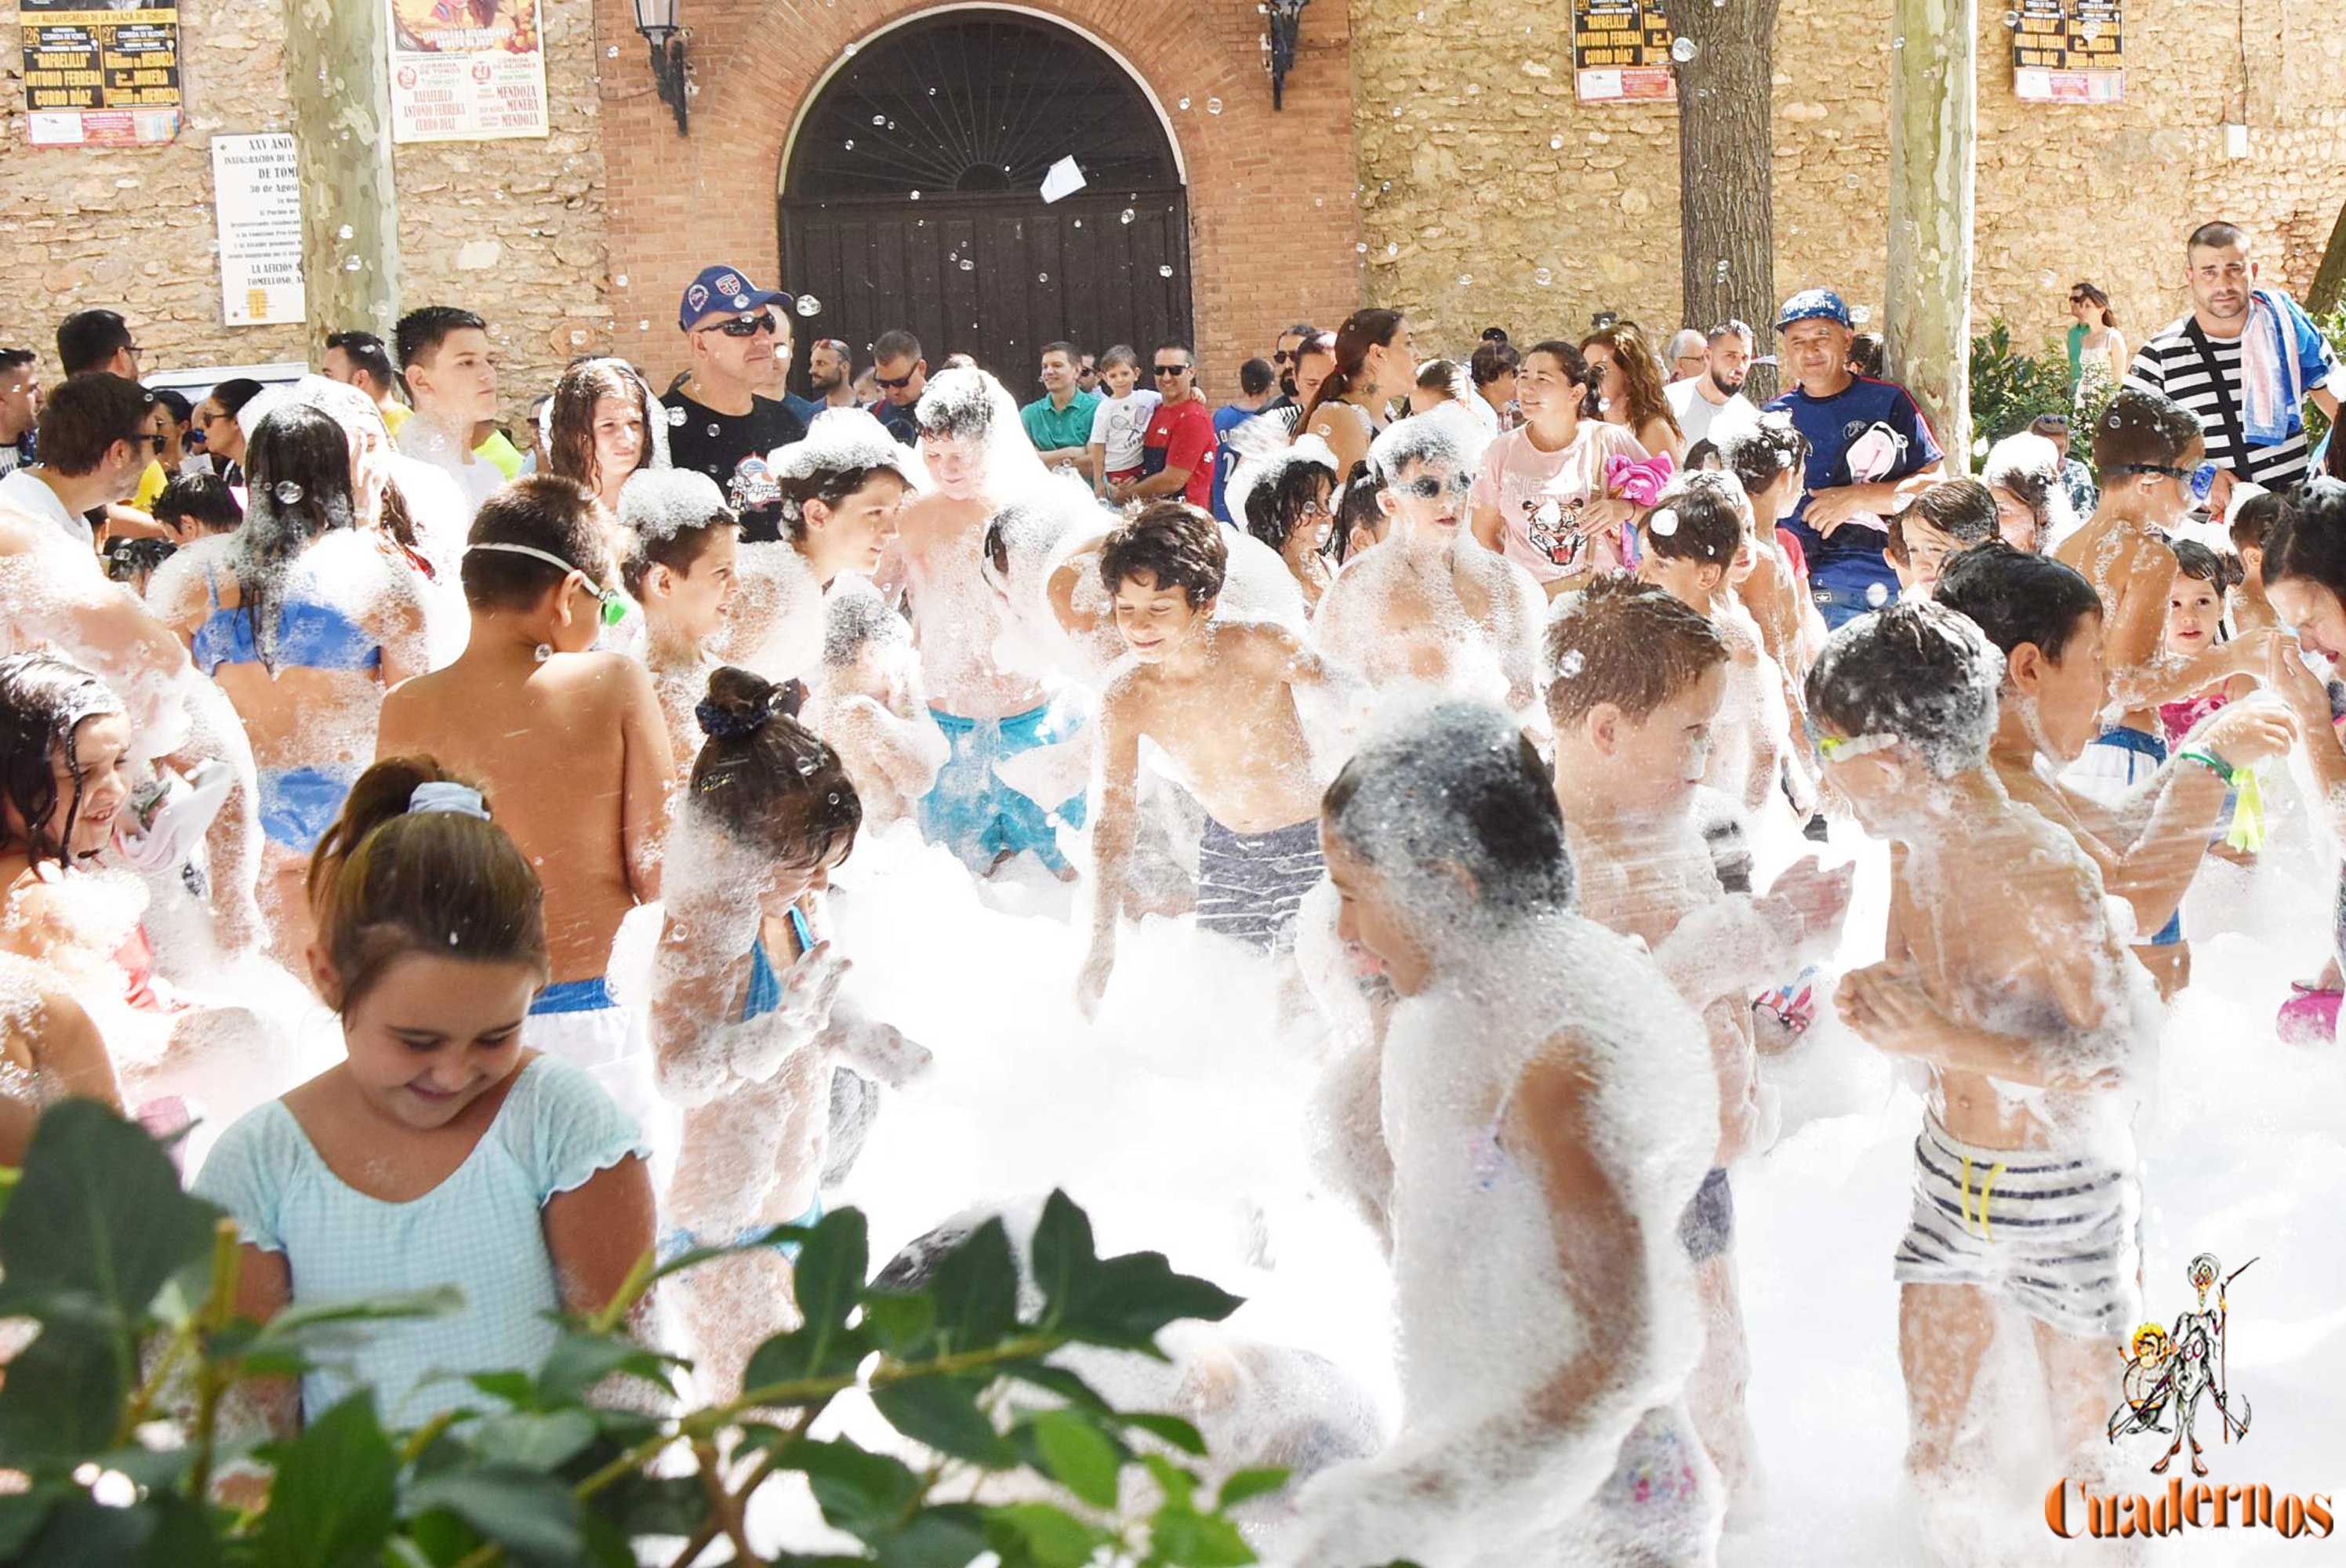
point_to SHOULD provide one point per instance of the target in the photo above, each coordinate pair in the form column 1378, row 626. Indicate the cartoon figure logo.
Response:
column 2169, row 1371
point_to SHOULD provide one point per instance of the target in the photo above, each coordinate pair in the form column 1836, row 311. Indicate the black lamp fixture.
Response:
column 656, row 21
column 1286, row 22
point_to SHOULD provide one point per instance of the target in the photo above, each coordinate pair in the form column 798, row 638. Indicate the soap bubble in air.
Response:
column 851, row 144
column 1662, row 524
column 352, row 265
column 712, row 430
column 1542, row 276
column 2012, row 20
column 1164, row 269
column 968, row 265
column 1574, row 660
column 879, row 119
column 1042, row 277
column 1185, row 106
column 1213, row 106
column 676, row 419
column 1128, row 215
column 1860, row 314
column 1682, row 50
column 288, row 492
column 1719, row 273
column 1555, row 143
column 1877, row 595
column 809, row 305
column 346, row 232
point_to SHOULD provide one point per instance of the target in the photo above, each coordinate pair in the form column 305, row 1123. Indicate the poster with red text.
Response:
column 2069, row 51
column 467, row 70
column 99, row 75
column 1621, row 52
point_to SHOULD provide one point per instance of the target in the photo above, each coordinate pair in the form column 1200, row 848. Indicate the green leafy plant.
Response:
column 2009, row 388
column 113, row 1413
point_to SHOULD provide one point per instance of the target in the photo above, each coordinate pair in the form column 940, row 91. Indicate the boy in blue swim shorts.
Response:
column 1218, row 696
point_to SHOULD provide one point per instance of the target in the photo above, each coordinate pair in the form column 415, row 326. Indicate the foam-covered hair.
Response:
column 1919, row 672
column 1450, row 433
column 1274, row 468
column 658, row 504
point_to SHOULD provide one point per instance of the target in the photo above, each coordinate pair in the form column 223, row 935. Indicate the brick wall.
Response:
column 1273, row 231
column 1482, row 175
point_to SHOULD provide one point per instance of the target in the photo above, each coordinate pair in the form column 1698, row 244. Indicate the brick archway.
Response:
column 1272, row 216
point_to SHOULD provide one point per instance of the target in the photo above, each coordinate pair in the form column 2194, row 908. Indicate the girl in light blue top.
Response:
column 440, row 1152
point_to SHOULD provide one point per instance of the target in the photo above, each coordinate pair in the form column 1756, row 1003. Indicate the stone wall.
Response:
column 512, row 229
column 1492, row 195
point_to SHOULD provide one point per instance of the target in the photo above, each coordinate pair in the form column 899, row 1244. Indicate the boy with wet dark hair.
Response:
column 570, row 745
column 2014, row 991
column 1953, row 515
column 2150, row 455
column 1639, row 678
column 1219, row 696
column 193, row 504
column 1696, row 543
column 2046, row 620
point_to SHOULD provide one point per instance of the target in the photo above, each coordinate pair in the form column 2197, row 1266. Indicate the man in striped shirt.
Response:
column 2196, row 360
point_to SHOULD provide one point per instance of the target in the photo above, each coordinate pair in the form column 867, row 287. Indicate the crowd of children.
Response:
column 1477, row 742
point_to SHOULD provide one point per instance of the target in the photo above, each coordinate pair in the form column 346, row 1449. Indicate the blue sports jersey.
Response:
column 1833, row 425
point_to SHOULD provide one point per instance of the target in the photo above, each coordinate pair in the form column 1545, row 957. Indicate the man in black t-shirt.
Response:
column 728, row 414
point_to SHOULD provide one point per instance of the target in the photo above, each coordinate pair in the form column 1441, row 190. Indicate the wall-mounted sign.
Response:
column 467, row 70
column 257, row 192
column 1621, row 51
column 100, row 75
column 2069, row 52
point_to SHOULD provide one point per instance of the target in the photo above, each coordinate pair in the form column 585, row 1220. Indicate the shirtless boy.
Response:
column 2047, row 621
column 569, row 747
column 1428, row 605
column 2013, row 990
column 1769, row 460
column 1693, row 542
column 974, row 448
column 682, row 544
column 2149, row 454
column 1219, row 697
column 1648, row 675
column 869, row 707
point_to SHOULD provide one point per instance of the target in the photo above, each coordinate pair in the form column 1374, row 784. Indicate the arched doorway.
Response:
column 911, row 196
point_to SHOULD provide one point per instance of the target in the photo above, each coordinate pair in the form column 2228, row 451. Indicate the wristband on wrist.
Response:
column 2209, row 761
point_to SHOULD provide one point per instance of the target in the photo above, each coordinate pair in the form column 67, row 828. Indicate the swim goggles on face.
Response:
column 614, row 603
column 2201, row 480
column 1844, row 748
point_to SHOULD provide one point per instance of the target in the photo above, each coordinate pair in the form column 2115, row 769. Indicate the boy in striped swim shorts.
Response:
column 2013, row 990
column 1217, row 696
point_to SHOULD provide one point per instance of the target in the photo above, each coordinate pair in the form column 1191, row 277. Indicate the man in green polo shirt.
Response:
column 1059, row 422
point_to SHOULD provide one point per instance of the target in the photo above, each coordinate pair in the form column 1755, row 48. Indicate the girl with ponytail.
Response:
column 441, row 1151
column 744, row 1019
column 1375, row 364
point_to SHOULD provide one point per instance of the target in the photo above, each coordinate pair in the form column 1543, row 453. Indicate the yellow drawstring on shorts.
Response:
column 2248, row 832
column 1988, row 1185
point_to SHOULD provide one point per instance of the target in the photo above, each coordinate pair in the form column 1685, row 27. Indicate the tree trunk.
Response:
column 1726, row 157
column 338, row 74
column 1933, row 118
column 2329, row 279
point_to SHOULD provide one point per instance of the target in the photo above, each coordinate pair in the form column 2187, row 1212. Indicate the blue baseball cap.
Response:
column 1814, row 305
column 722, row 290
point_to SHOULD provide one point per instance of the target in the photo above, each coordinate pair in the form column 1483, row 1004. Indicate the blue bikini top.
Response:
column 310, row 636
column 765, row 985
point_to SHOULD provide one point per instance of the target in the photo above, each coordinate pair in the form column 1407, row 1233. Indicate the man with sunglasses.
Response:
column 903, row 375
column 2245, row 361
column 97, row 435
column 1177, row 455
column 729, row 414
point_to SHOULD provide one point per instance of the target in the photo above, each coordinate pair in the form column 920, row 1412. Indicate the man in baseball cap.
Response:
column 729, row 414
column 1868, row 445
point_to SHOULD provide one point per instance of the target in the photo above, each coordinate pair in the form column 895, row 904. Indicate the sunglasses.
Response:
column 895, row 383
column 614, row 605
column 1172, row 369
column 1426, row 487
column 1281, row 356
column 2201, row 480
column 746, row 326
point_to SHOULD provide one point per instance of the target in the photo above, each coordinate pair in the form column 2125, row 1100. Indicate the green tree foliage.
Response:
column 113, row 1413
column 2010, row 388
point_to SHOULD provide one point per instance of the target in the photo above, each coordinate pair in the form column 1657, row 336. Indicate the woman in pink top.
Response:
column 1541, row 499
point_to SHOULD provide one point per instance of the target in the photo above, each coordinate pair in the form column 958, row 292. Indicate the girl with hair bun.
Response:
column 1375, row 364
column 744, row 1021
column 442, row 1150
